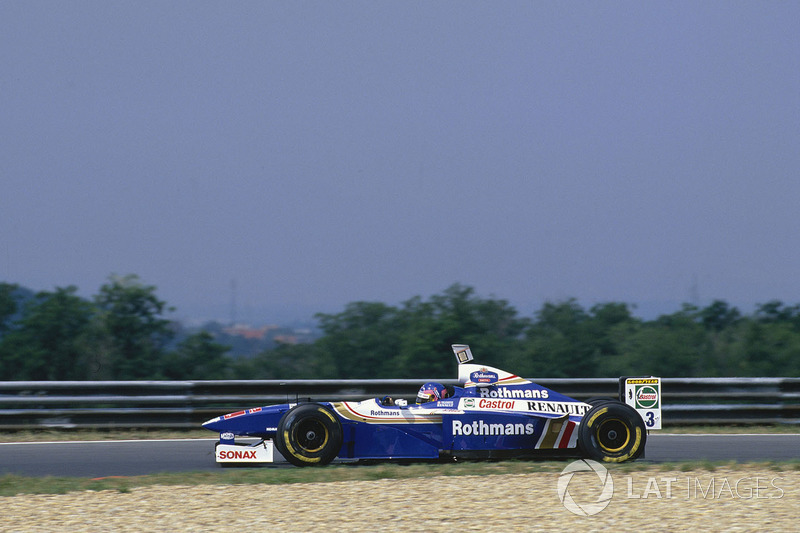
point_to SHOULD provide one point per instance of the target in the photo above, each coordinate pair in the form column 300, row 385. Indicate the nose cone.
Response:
column 213, row 424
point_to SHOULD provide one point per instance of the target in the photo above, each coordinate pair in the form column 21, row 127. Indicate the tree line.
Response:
column 122, row 334
column 119, row 334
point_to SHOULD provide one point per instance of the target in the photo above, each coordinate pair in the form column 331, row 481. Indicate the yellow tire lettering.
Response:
column 327, row 413
column 638, row 440
column 602, row 411
column 287, row 441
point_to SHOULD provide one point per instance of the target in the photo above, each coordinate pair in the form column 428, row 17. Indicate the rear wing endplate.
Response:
column 462, row 352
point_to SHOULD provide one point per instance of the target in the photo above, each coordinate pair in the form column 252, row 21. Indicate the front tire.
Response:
column 309, row 435
column 612, row 432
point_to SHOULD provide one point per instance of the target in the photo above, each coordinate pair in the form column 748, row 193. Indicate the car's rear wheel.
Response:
column 309, row 435
column 612, row 432
column 597, row 400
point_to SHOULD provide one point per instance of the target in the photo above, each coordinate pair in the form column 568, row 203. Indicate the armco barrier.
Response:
column 186, row 404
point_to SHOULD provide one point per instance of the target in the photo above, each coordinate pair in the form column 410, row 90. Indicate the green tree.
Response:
column 198, row 357
column 455, row 316
column 776, row 311
column 373, row 339
column 8, row 305
column 558, row 342
column 770, row 349
column 722, row 324
column 131, row 319
column 719, row 316
column 672, row 345
column 50, row 340
column 287, row 361
column 358, row 341
column 565, row 340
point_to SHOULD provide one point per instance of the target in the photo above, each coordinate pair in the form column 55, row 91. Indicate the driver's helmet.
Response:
column 430, row 392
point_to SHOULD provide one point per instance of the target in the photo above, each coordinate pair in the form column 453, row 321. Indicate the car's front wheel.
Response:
column 612, row 432
column 309, row 435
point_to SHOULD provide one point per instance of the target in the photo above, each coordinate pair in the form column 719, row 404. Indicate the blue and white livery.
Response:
column 492, row 413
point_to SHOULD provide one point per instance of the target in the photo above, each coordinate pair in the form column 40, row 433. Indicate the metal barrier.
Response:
column 186, row 404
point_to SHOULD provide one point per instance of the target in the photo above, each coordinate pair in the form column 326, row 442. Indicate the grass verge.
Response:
column 13, row 485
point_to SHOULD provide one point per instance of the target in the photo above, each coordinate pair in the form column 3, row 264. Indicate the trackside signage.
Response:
column 644, row 395
column 231, row 453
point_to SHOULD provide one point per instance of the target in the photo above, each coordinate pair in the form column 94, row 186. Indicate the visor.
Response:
column 425, row 397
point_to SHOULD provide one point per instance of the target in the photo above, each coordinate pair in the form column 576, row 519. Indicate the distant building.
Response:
column 249, row 332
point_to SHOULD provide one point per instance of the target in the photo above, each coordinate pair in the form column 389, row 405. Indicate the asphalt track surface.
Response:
column 139, row 457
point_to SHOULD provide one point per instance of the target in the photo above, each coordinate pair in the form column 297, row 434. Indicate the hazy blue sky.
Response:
column 320, row 153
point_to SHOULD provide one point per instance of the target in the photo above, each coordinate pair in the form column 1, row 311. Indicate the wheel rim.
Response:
column 311, row 435
column 613, row 435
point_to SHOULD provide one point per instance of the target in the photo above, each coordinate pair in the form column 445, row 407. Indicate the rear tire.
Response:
column 612, row 432
column 309, row 435
column 597, row 400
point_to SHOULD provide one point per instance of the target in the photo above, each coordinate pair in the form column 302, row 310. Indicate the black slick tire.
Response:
column 612, row 432
column 309, row 435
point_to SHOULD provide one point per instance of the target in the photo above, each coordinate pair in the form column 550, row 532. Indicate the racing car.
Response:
column 492, row 414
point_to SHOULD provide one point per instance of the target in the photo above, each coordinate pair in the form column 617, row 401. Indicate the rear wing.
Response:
column 644, row 395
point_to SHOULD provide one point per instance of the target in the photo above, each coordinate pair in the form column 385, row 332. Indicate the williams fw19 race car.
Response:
column 493, row 414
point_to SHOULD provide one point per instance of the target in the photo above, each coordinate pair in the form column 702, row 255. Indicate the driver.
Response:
column 431, row 392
